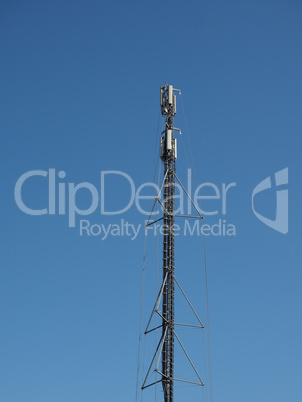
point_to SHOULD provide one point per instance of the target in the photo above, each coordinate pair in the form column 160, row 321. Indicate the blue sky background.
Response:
column 80, row 93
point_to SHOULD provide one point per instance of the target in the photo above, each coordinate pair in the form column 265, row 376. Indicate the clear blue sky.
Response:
column 80, row 93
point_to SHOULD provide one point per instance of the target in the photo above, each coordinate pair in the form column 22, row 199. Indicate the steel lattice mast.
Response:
column 168, row 155
column 164, row 352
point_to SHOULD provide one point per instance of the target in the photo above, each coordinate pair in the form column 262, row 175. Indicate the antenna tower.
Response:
column 164, row 353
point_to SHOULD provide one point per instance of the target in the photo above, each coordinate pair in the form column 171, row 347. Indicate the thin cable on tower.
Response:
column 204, row 258
column 141, row 321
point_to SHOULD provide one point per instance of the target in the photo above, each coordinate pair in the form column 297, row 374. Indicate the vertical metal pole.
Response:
column 165, row 348
column 168, row 157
